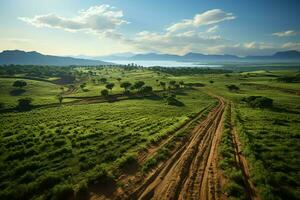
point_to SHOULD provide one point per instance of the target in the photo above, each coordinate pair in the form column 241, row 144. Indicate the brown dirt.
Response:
column 191, row 172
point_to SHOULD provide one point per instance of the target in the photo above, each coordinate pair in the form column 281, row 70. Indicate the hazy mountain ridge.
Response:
column 35, row 58
column 284, row 55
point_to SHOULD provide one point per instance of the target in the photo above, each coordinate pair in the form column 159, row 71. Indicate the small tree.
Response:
column 172, row 84
column 103, row 80
column 126, row 85
column 110, row 86
column 19, row 84
column 25, row 103
column 104, row 92
column 138, row 85
column 211, row 81
column 232, row 88
column 82, row 86
column 146, row 90
column 163, row 85
column 119, row 79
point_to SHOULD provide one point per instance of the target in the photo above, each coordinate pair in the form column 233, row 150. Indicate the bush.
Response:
column 82, row 190
column 104, row 92
column 174, row 102
column 62, row 192
column 235, row 190
column 258, row 101
column 19, row 84
column 232, row 88
column 24, row 104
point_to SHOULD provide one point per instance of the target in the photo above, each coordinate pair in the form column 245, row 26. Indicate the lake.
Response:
column 162, row 63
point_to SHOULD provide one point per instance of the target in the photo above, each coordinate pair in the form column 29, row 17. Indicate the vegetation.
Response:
column 65, row 137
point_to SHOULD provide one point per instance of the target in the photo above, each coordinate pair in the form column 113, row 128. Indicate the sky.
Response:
column 104, row 27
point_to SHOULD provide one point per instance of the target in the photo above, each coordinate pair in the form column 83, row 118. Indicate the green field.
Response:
column 52, row 151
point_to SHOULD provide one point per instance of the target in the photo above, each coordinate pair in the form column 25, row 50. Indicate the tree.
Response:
column 146, row 90
column 232, row 87
column 126, row 85
column 60, row 98
column 139, row 84
column 258, row 101
column 110, row 86
column 172, row 83
column 119, row 79
column 82, row 86
column 19, row 84
column 211, row 81
column 25, row 103
column 104, row 92
column 163, row 85
column 103, row 80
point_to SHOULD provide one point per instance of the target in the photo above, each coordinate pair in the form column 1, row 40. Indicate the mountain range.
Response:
column 35, row 58
column 279, row 56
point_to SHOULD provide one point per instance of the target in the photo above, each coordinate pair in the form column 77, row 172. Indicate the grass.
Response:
column 58, row 151
column 49, row 152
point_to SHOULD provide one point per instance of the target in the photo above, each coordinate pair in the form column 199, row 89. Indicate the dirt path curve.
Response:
column 189, row 173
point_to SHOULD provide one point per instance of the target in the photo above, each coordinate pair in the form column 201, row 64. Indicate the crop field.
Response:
column 194, row 135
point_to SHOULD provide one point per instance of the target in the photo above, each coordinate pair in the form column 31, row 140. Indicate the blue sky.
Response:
column 102, row 27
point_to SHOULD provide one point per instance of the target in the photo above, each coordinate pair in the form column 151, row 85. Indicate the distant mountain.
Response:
column 199, row 56
column 284, row 56
column 155, row 56
column 35, row 58
column 287, row 55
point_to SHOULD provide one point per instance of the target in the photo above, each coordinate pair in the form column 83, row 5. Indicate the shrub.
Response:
column 62, row 192
column 25, row 103
column 174, row 102
column 234, row 190
column 258, row 101
column 232, row 88
column 19, row 84
column 49, row 180
column 82, row 190
column 104, row 92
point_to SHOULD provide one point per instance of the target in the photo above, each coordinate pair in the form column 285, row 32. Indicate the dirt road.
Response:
column 191, row 172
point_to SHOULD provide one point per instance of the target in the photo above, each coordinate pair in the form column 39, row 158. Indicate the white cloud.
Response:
column 212, row 29
column 101, row 19
column 209, row 17
column 285, row 33
column 291, row 46
column 179, row 43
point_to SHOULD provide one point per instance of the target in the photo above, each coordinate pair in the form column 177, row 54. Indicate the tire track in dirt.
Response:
column 191, row 172
column 242, row 163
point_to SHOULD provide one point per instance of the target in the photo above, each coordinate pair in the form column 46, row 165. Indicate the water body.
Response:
column 162, row 63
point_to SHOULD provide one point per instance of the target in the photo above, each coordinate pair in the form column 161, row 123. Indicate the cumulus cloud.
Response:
column 285, row 33
column 177, row 43
column 209, row 17
column 101, row 19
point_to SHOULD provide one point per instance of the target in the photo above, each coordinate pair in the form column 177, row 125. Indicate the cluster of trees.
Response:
column 233, row 88
column 178, row 71
column 258, row 101
column 138, row 85
column 171, row 85
column 289, row 79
